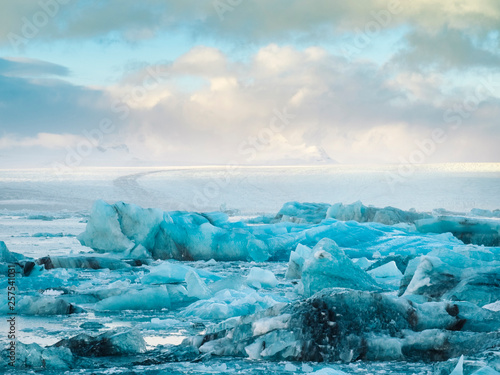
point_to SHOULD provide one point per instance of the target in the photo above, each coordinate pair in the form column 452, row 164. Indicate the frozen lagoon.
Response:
column 32, row 227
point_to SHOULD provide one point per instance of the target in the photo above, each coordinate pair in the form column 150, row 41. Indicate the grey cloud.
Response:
column 447, row 49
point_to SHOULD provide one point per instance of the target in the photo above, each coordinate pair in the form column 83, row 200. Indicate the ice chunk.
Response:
column 328, row 371
column 166, row 272
column 302, row 212
column 89, row 262
column 146, row 299
column 34, row 357
column 459, row 369
column 7, row 256
column 479, row 231
column 103, row 231
column 229, row 303
column 44, row 305
column 196, row 287
column 494, row 306
column 445, row 274
column 260, row 278
column 485, row 213
column 361, row 213
column 296, row 262
column 116, row 342
column 486, row 371
column 363, row 263
column 138, row 224
column 330, row 267
column 388, row 270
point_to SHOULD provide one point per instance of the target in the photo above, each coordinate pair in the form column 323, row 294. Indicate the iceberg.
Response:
column 155, row 298
column 329, row 267
column 89, row 262
column 363, row 214
column 296, row 212
column 196, row 287
column 189, row 236
column 332, row 325
column 450, row 275
column 296, row 262
column 479, row 231
column 34, row 357
column 117, row 342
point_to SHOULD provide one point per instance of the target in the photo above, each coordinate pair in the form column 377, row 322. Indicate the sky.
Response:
column 240, row 82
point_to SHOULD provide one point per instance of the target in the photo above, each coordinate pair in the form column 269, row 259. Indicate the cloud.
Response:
column 30, row 102
column 15, row 66
column 283, row 104
column 258, row 20
column 445, row 49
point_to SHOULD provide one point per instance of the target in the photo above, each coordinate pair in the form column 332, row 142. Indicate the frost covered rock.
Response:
column 329, row 267
column 347, row 325
column 260, row 278
column 111, row 343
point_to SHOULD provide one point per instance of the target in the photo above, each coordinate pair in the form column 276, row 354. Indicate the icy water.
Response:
column 42, row 212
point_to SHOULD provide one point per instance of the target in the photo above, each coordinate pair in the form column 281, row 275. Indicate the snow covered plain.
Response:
column 415, row 299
